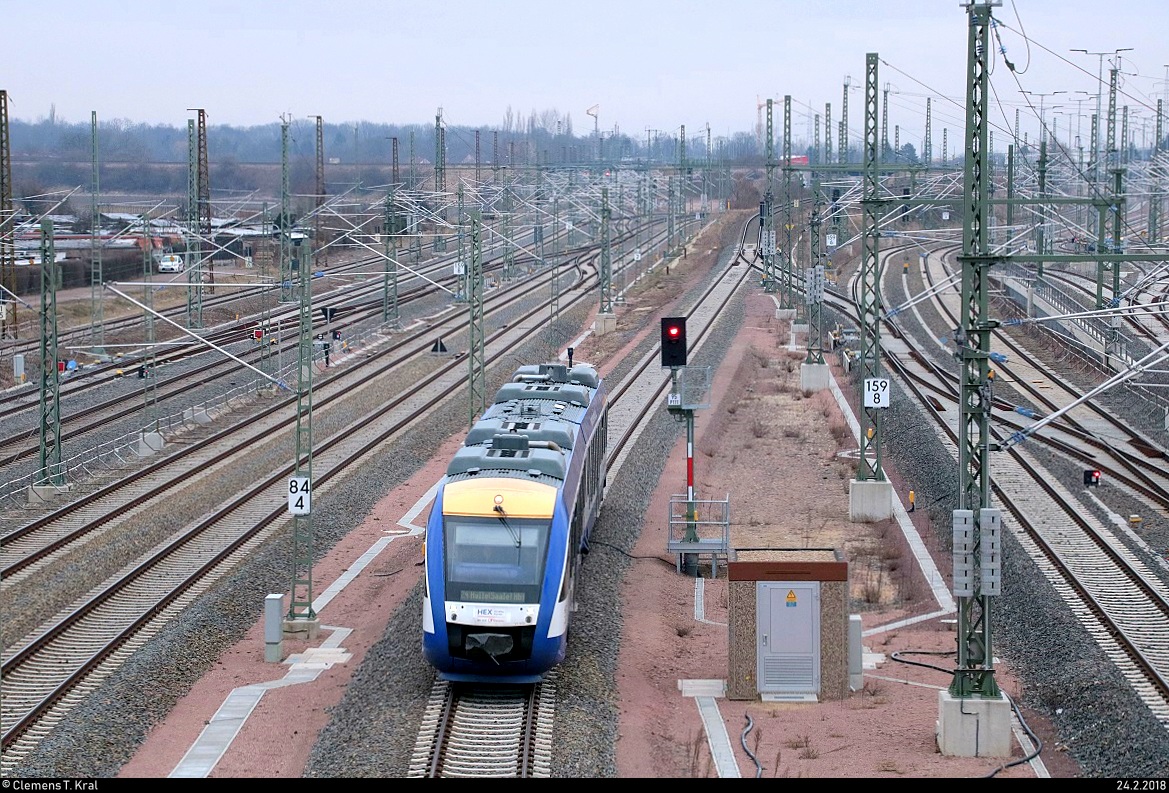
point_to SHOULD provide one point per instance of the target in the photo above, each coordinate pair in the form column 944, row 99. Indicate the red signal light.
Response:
column 673, row 341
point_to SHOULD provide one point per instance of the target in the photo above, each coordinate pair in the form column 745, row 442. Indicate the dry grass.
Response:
column 809, row 753
column 765, row 410
column 738, row 390
column 700, row 762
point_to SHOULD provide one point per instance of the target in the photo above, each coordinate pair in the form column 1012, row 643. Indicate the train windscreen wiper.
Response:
column 515, row 536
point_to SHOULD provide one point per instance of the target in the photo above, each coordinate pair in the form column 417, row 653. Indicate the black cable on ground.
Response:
column 1027, row 729
column 626, row 553
column 1018, row 713
column 897, row 657
column 743, row 740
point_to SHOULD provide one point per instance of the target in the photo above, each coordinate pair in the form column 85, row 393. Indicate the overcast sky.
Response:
column 646, row 63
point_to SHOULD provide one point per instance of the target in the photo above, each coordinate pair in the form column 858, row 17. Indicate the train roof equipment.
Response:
column 546, row 390
column 508, row 462
column 581, row 374
column 559, row 392
column 531, row 426
column 543, row 428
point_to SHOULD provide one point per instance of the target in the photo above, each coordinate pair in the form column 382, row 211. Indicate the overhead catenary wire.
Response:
column 1095, row 189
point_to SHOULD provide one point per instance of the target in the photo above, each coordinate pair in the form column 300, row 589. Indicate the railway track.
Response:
column 486, row 731
column 199, row 555
column 490, row 734
column 69, row 657
column 1111, row 592
column 1094, row 436
column 358, row 304
column 1114, row 594
column 23, row 446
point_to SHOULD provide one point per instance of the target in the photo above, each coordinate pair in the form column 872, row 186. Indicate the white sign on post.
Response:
column 300, row 496
column 637, row 254
column 568, row 225
column 876, row 392
column 830, row 239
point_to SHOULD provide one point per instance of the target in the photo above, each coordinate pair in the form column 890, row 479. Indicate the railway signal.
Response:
column 673, row 341
column 1091, row 478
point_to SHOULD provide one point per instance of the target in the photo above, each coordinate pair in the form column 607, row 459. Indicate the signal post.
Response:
column 674, row 356
column 696, row 526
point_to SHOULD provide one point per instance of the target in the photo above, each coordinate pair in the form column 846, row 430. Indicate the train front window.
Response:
column 496, row 560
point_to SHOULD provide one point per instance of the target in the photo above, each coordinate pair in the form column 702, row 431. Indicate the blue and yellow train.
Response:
column 510, row 526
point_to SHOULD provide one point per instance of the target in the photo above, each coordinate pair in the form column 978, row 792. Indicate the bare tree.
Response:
column 548, row 120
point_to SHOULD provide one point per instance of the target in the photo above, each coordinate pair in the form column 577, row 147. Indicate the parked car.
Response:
column 170, row 263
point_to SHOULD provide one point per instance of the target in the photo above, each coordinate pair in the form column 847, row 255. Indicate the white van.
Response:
column 170, row 263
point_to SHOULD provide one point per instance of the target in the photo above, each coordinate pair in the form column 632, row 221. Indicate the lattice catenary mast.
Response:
column 9, row 327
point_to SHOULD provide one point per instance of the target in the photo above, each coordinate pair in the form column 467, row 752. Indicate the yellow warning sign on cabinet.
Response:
column 791, row 599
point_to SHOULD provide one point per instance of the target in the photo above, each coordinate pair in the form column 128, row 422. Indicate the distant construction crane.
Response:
column 595, row 111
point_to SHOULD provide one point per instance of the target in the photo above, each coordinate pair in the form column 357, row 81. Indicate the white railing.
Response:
column 699, row 527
